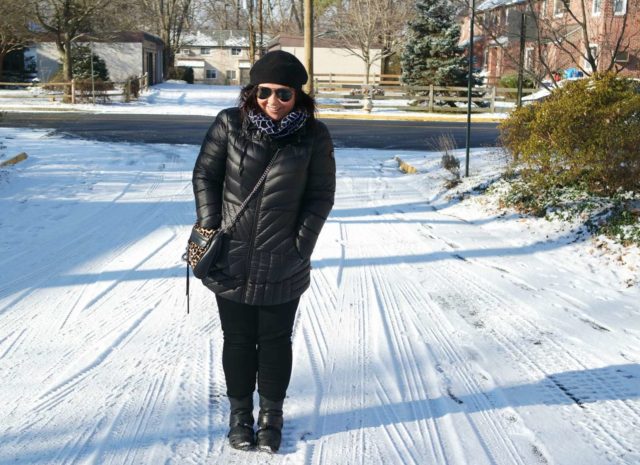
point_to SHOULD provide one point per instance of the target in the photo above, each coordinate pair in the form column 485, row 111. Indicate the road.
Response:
column 430, row 334
column 189, row 129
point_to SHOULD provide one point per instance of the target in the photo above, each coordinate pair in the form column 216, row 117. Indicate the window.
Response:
column 211, row 74
column 622, row 57
column 558, row 7
column 236, row 51
column 594, row 53
column 597, row 7
column 205, row 50
column 528, row 59
column 619, row 7
column 231, row 74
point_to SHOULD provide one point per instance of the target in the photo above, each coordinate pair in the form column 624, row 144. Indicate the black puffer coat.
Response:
column 265, row 258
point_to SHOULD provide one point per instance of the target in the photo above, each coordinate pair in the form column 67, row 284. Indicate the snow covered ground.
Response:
column 434, row 332
column 179, row 98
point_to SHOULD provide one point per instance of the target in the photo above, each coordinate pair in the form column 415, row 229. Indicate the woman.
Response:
column 264, row 266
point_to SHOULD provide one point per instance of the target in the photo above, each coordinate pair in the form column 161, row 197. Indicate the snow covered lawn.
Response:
column 434, row 332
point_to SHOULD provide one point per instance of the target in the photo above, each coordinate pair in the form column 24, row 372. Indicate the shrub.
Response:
column 81, row 64
column 623, row 226
column 511, row 81
column 85, row 90
column 585, row 133
column 187, row 75
column 182, row 73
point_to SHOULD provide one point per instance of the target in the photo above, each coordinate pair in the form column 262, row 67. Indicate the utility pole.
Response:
column 252, row 35
column 308, row 43
column 260, row 29
column 93, row 83
column 523, row 34
column 469, row 85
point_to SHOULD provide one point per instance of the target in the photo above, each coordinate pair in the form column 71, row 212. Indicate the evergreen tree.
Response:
column 432, row 54
column 81, row 59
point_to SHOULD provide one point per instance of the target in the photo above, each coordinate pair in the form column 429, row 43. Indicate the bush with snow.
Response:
column 586, row 133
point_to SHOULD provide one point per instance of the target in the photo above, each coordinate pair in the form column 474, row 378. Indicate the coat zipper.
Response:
column 253, row 234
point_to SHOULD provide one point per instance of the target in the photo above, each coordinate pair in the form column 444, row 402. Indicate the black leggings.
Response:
column 257, row 339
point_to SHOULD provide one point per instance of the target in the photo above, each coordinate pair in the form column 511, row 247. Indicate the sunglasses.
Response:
column 283, row 94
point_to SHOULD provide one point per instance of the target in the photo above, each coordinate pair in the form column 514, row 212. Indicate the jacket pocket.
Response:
column 279, row 265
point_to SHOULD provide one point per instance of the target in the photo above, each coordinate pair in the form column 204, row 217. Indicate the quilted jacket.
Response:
column 265, row 258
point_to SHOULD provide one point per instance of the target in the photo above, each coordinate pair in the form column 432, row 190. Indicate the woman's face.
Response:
column 274, row 106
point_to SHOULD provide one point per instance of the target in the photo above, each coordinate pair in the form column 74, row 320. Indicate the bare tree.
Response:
column 14, row 31
column 263, row 17
column 168, row 19
column 371, row 29
column 222, row 14
column 69, row 20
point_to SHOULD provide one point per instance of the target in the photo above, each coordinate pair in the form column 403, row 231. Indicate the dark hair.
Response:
column 248, row 101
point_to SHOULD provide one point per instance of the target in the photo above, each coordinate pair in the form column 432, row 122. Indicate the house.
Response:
column 222, row 57
column 126, row 54
column 329, row 55
column 553, row 36
column 218, row 57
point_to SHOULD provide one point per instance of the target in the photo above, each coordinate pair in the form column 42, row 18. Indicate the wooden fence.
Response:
column 71, row 93
column 323, row 79
column 412, row 98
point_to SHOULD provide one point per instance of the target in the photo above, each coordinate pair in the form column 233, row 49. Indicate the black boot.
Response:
column 270, row 422
column 241, row 423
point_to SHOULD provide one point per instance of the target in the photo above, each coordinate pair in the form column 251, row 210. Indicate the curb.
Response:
column 430, row 117
column 43, row 110
column 405, row 167
column 14, row 160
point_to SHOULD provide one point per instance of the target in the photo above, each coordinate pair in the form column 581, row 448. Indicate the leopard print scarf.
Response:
column 279, row 129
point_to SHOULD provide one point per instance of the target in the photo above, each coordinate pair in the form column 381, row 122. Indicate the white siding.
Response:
column 336, row 60
column 122, row 59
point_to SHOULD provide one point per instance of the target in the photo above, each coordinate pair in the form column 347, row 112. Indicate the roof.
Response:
column 492, row 4
column 227, row 38
column 290, row 40
column 116, row 37
column 192, row 62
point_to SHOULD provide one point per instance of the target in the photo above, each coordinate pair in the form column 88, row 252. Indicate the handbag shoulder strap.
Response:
column 255, row 189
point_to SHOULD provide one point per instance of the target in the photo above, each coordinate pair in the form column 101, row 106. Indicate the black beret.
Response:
column 279, row 67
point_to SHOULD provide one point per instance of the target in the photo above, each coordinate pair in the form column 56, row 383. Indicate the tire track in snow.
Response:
column 56, row 393
column 497, row 445
column 312, row 325
column 389, row 292
column 470, row 284
column 12, row 341
column 489, row 428
column 344, row 393
column 475, row 300
column 407, row 374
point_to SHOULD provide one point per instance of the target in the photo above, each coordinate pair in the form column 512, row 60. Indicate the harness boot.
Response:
column 270, row 422
column 241, row 423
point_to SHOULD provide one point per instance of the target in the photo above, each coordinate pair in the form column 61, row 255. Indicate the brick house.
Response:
column 553, row 36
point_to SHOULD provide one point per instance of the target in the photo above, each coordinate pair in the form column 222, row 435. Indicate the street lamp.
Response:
column 470, row 80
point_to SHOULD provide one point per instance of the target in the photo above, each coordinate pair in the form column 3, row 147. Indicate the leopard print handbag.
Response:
column 203, row 248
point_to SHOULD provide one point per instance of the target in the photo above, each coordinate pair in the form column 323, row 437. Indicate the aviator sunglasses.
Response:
column 283, row 94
